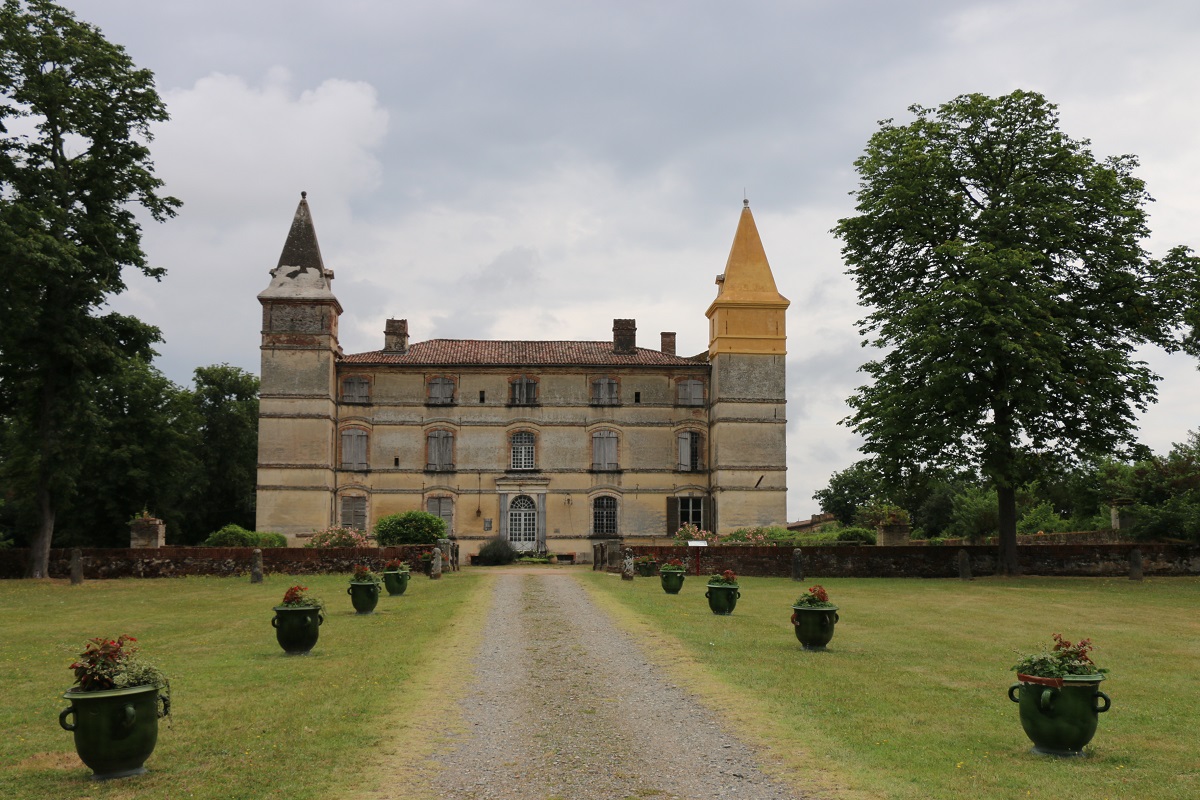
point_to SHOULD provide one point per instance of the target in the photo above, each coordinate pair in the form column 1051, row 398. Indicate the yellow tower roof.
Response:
column 747, row 315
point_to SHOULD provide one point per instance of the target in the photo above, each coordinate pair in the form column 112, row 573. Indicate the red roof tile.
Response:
column 445, row 352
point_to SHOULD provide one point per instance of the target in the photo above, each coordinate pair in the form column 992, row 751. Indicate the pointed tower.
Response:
column 297, row 395
column 747, row 402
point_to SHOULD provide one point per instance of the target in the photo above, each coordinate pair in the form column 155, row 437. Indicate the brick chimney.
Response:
column 395, row 336
column 668, row 342
column 624, row 337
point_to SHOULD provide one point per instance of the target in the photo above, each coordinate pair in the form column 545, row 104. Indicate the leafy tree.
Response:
column 226, row 403
column 1007, row 289
column 75, row 115
column 856, row 485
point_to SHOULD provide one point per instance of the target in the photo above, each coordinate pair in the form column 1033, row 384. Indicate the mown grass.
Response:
column 910, row 699
column 248, row 720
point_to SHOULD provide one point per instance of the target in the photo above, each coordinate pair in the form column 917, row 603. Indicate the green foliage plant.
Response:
column 495, row 552
column 724, row 578
column 814, row 597
column 674, row 565
column 1008, row 291
column 337, row 536
column 299, row 597
column 880, row 514
column 232, row 536
column 1063, row 659
column 360, row 573
column 396, row 565
column 114, row 664
column 860, row 535
column 410, row 527
column 269, row 539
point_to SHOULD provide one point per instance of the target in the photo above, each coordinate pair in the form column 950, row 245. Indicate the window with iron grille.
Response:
column 524, row 392
column 354, row 449
column 441, row 392
column 604, row 516
column 604, row 450
column 690, row 393
column 689, row 451
column 439, row 448
column 605, row 392
column 356, row 390
column 522, row 450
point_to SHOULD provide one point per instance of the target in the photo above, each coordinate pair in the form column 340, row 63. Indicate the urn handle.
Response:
column 274, row 622
column 62, row 719
column 1012, row 692
column 836, row 619
column 349, row 590
column 128, row 715
column 708, row 594
column 320, row 619
column 1107, row 702
column 1046, row 701
column 166, row 705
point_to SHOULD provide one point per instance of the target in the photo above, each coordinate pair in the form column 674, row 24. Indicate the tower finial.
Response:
column 304, row 195
column 745, row 203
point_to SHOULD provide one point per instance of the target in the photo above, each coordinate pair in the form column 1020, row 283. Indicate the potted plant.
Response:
column 395, row 576
column 645, row 566
column 813, row 618
column 297, row 621
column 1059, row 697
column 364, row 589
column 891, row 522
column 723, row 592
column 116, row 703
column 671, row 574
column 427, row 562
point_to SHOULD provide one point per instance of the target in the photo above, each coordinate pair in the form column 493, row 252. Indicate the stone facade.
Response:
column 552, row 445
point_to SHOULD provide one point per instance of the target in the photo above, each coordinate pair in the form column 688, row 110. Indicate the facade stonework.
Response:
column 553, row 445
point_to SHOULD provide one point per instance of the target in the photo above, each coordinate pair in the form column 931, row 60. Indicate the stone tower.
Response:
column 747, row 421
column 297, row 397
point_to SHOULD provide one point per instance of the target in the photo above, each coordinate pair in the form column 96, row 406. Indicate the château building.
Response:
column 550, row 444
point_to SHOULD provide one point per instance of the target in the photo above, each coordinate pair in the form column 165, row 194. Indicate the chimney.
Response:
column 395, row 336
column 624, row 337
column 668, row 342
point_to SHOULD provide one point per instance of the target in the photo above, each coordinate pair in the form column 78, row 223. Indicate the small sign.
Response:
column 697, row 543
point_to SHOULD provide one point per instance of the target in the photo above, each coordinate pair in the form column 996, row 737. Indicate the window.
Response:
column 605, row 392
column 604, row 516
column 689, row 451
column 441, row 392
column 522, row 450
column 354, row 513
column 354, row 448
column 691, row 509
column 690, row 393
column 522, row 523
column 356, row 390
column 439, row 451
column 442, row 507
column 604, row 450
column 524, row 392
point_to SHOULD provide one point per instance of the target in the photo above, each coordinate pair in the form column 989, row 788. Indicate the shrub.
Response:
column 496, row 551
column 411, row 527
column 339, row 537
column 232, row 536
column 861, row 535
column 881, row 514
column 268, row 539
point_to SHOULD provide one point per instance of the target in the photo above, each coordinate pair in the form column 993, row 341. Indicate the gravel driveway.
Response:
column 567, row 706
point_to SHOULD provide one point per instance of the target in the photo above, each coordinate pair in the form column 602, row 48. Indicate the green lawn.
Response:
column 248, row 720
column 910, row 699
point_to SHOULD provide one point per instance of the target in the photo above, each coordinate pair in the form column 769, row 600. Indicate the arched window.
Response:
column 522, row 523
column 604, row 450
column 439, row 449
column 354, row 449
column 604, row 516
column 522, row 451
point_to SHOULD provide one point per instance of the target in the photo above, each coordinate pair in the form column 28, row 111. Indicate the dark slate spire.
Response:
column 301, row 274
column 301, row 248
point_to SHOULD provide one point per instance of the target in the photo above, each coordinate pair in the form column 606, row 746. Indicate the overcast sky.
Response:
column 531, row 170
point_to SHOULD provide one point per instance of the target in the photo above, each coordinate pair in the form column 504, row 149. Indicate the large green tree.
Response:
column 1007, row 288
column 226, row 402
column 75, row 115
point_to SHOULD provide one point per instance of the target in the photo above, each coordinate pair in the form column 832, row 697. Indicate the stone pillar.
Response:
column 1135, row 564
column 435, row 566
column 256, row 575
column 76, row 566
column 146, row 531
column 964, row 566
column 447, row 548
column 797, row 565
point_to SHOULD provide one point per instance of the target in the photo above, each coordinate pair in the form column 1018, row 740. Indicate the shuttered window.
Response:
column 354, row 513
column 604, row 392
column 354, row 449
column 604, row 450
column 439, row 447
column 689, row 451
column 356, row 390
column 522, row 451
column 441, row 392
column 524, row 392
column 690, row 393
column 604, row 516
column 442, row 507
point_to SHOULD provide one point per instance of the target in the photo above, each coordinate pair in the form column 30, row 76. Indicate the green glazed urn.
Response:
column 646, row 568
column 1059, row 715
column 364, row 596
column 672, row 581
column 722, row 598
column 396, row 581
column 115, row 730
column 814, row 625
column 297, row 628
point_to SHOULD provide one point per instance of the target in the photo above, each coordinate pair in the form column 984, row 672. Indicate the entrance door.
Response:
column 522, row 523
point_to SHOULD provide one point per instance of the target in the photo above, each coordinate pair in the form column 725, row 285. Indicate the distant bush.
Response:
column 861, row 535
column 268, row 539
column 237, row 536
column 496, row 551
column 339, row 537
column 411, row 527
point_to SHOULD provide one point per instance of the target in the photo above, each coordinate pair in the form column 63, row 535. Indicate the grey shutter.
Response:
column 441, row 391
column 684, row 462
column 354, row 513
column 440, row 447
column 443, row 507
column 672, row 515
column 604, row 450
column 354, row 449
column 707, row 509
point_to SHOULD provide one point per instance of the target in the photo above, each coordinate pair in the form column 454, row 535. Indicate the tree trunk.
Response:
column 1007, row 563
column 39, row 548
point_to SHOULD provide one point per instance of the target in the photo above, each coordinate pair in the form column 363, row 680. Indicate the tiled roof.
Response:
column 444, row 352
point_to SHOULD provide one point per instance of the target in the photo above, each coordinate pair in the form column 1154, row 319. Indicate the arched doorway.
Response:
column 522, row 523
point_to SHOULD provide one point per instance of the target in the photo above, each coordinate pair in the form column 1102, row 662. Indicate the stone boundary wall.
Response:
column 852, row 561
column 173, row 562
